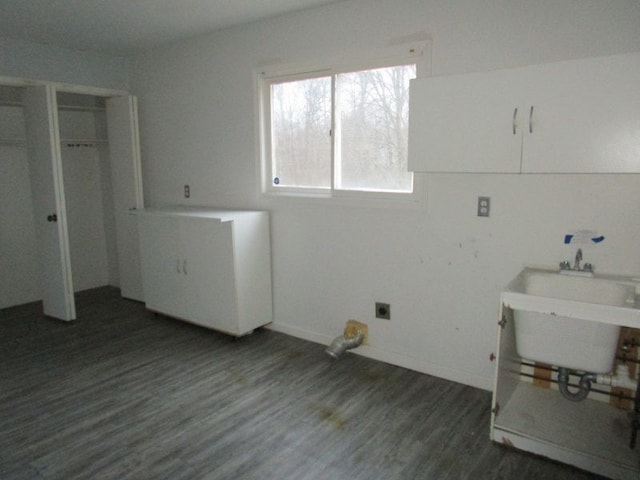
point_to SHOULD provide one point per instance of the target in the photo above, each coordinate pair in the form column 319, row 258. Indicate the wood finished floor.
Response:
column 125, row 394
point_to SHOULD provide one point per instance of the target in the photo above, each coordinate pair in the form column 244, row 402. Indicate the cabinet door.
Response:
column 50, row 215
column 466, row 123
column 211, row 281
column 585, row 117
column 162, row 264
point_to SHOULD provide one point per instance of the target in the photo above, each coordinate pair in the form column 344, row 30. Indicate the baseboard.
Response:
column 393, row 358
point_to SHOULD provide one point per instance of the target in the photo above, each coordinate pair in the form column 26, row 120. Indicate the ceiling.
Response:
column 124, row 27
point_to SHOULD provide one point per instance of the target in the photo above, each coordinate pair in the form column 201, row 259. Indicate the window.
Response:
column 300, row 133
column 332, row 132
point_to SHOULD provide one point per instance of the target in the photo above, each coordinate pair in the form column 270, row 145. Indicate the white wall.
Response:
column 440, row 268
column 55, row 64
column 88, row 237
column 20, row 278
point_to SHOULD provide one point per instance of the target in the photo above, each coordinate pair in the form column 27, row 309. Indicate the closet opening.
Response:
column 86, row 169
column 66, row 196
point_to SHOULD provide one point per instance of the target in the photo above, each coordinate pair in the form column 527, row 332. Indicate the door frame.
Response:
column 55, row 87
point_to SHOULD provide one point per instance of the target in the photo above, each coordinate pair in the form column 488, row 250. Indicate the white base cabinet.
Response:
column 591, row 434
column 208, row 267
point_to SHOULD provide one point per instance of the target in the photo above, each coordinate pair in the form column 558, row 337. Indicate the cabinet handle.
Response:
column 184, row 266
column 178, row 265
column 513, row 123
column 531, row 120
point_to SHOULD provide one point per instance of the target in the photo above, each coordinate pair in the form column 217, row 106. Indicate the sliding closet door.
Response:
column 126, row 181
column 50, row 217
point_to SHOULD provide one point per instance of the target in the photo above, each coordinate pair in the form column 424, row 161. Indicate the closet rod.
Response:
column 76, row 108
column 9, row 103
column 17, row 142
column 76, row 143
column 64, row 142
column 79, row 108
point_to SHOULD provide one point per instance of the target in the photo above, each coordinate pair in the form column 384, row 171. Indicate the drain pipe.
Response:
column 343, row 343
column 621, row 379
column 584, row 385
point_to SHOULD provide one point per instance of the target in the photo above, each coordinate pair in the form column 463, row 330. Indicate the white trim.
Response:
column 393, row 358
column 335, row 137
column 135, row 151
column 403, row 201
column 562, row 454
column 265, row 78
column 417, row 52
column 299, row 333
column 62, row 87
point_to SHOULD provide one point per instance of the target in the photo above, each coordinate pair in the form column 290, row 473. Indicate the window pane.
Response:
column 372, row 127
column 300, row 127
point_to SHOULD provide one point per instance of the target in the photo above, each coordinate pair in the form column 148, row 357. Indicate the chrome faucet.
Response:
column 576, row 263
column 587, row 268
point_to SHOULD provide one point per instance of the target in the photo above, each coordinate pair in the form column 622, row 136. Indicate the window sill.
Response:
column 341, row 198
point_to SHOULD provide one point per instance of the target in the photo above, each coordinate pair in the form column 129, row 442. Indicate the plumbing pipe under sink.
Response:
column 622, row 379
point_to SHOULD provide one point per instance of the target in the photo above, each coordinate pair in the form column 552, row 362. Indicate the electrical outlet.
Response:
column 383, row 311
column 484, row 206
column 187, row 191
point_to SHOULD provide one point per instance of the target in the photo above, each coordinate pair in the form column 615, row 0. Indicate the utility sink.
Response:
column 571, row 321
column 586, row 289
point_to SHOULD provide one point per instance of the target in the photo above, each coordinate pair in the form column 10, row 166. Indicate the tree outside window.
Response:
column 346, row 131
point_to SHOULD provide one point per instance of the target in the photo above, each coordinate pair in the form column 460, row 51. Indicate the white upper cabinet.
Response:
column 586, row 116
column 576, row 116
column 465, row 123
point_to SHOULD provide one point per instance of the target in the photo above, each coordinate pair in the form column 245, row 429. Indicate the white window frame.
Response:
column 415, row 53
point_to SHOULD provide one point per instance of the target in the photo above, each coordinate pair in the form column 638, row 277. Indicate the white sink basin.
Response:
column 577, row 288
column 570, row 321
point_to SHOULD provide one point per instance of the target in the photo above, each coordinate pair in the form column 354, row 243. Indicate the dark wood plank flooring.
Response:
column 122, row 393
